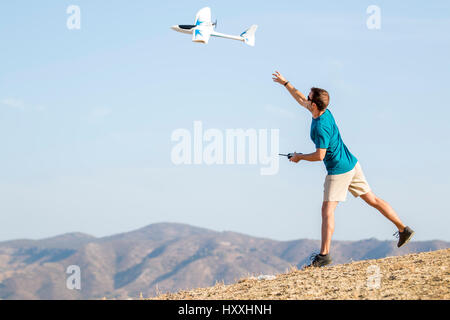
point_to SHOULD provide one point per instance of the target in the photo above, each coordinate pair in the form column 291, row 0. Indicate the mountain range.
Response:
column 162, row 258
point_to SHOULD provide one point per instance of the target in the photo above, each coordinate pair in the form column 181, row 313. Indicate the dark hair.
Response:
column 320, row 97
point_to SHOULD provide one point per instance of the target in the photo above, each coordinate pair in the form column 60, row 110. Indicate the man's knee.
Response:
column 371, row 199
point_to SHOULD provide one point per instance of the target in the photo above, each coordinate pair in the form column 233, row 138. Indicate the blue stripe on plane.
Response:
column 198, row 33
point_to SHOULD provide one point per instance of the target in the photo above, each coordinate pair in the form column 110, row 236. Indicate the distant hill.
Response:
column 163, row 257
column 411, row 277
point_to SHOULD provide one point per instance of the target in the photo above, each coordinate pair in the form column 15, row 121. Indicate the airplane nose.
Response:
column 174, row 27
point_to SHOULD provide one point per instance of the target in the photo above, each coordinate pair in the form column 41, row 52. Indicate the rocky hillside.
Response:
column 414, row 276
column 162, row 258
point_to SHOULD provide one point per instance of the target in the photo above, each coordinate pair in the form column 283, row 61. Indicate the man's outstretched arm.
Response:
column 297, row 95
column 319, row 155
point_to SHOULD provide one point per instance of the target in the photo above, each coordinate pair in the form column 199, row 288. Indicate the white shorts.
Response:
column 336, row 186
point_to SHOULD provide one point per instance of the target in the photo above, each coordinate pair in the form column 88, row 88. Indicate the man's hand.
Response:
column 297, row 95
column 296, row 157
column 277, row 77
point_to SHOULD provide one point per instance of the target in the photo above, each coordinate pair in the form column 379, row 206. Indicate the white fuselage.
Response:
column 189, row 29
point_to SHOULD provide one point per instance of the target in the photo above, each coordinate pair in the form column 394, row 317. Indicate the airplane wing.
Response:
column 201, row 34
column 203, row 17
column 204, row 27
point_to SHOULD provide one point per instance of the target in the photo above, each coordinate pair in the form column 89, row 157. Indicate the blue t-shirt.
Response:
column 325, row 134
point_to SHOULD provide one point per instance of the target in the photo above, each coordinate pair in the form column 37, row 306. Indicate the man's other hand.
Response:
column 296, row 157
column 277, row 77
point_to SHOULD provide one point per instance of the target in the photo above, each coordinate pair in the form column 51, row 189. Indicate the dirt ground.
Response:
column 415, row 276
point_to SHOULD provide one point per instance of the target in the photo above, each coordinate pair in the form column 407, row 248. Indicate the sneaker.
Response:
column 318, row 260
column 404, row 237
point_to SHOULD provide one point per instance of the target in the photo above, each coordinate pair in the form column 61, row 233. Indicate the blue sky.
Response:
column 86, row 115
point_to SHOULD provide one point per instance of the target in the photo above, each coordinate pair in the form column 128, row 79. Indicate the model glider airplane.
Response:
column 203, row 29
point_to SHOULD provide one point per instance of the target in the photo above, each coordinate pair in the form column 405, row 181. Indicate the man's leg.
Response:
column 384, row 209
column 328, row 208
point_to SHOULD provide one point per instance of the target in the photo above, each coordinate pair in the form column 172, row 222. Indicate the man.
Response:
column 344, row 170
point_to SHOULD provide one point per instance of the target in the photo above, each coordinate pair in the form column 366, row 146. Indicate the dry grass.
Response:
column 415, row 276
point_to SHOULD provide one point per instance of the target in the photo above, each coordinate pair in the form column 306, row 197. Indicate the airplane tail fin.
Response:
column 249, row 35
